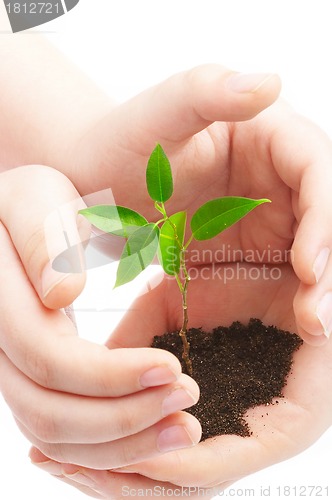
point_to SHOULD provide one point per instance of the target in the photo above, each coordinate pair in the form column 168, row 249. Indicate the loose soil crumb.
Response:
column 236, row 368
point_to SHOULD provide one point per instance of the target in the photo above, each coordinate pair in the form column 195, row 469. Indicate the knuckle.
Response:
column 124, row 422
column 177, row 473
column 127, row 423
column 42, row 424
column 105, row 363
column 130, row 454
column 199, row 75
column 40, row 368
column 193, row 79
column 104, row 382
column 196, row 73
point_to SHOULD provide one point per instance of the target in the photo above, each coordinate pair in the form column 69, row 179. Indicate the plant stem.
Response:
column 184, row 327
column 188, row 242
column 183, row 286
column 161, row 208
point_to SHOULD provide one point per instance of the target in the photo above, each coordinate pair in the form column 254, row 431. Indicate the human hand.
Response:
column 279, row 155
column 70, row 397
column 206, row 121
column 285, row 429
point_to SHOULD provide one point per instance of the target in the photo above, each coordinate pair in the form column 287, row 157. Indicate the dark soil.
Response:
column 236, row 368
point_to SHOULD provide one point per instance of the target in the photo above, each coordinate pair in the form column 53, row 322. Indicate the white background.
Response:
column 128, row 45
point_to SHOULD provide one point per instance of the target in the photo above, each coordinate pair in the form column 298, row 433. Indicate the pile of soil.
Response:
column 236, row 368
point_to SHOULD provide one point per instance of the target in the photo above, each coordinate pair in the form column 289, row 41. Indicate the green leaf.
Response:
column 117, row 220
column 171, row 240
column 217, row 215
column 137, row 254
column 159, row 180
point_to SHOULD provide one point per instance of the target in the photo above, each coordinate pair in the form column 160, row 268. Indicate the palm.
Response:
column 223, row 159
column 289, row 427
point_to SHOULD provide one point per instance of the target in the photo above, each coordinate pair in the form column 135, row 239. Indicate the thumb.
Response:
column 38, row 206
column 188, row 102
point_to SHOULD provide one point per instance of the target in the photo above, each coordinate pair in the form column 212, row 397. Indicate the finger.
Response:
column 177, row 431
column 278, row 432
column 311, row 250
column 43, row 344
column 288, row 428
column 57, row 417
column 313, row 309
column 188, row 102
column 112, row 485
column 172, row 113
column 226, row 458
column 77, row 479
column 38, row 206
column 301, row 154
column 313, row 241
column 132, row 484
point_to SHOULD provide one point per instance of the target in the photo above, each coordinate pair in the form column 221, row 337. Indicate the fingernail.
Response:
column 243, row 82
column 50, row 279
column 179, row 399
column 320, row 263
column 159, row 375
column 324, row 313
column 174, row 438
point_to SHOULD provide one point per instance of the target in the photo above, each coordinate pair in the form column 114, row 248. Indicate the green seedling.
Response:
column 167, row 236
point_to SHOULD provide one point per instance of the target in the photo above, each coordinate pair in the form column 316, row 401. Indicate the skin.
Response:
column 286, row 429
column 219, row 141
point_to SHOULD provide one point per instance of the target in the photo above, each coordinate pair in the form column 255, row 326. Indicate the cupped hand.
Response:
column 278, row 432
column 224, row 136
column 75, row 400
column 278, row 155
column 221, row 142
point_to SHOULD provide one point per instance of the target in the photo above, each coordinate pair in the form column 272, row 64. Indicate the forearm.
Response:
column 46, row 104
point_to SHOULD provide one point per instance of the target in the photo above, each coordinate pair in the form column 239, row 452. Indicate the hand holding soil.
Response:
column 247, row 272
column 279, row 430
column 274, row 267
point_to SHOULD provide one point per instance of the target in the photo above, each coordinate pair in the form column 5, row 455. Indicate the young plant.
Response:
column 167, row 236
